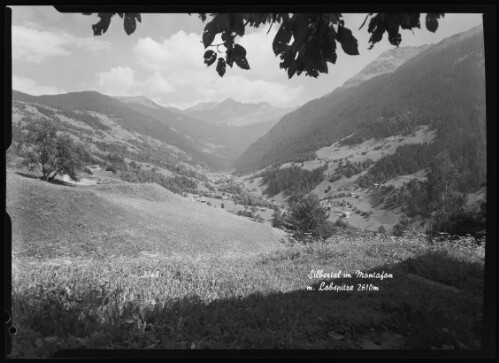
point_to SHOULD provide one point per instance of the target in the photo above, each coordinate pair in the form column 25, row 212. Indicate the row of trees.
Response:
column 292, row 180
column 400, row 124
column 349, row 169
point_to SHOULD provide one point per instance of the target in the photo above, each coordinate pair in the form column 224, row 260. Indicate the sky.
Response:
column 57, row 53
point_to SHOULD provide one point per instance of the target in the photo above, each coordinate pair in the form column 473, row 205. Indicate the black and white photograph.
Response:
column 181, row 181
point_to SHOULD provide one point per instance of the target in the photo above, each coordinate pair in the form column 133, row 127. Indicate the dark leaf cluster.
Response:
column 304, row 42
column 129, row 22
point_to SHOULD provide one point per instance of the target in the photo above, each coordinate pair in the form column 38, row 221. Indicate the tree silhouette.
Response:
column 56, row 154
column 305, row 42
column 308, row 216
column 445, row 202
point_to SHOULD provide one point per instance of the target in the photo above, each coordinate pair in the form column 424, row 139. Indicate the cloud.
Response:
column 121, row 81
column 91, row 44
column 177, row 63
column 181, row 50
column 33, row 44
column 256, row 90
column 29, row 86
column 260, row 55
column 156, row 83
column 117, row 81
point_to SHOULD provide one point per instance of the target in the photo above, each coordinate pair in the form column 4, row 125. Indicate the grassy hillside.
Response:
column 135, row 266
column 123, row 219
column 126, row 117
column 254, row 301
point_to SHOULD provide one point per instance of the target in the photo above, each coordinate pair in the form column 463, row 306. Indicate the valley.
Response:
column 120, row 265
column 199, row 228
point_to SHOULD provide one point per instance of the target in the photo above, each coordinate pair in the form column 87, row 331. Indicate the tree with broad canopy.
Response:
column 56, row 154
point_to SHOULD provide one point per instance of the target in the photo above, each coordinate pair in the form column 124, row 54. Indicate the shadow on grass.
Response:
column 55, row 181
column 30, row 176
column 418, row 314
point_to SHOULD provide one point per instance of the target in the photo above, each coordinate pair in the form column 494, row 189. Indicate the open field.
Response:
column 123, row 219
column 257, row 301
column 371, row 149
column 87, row 275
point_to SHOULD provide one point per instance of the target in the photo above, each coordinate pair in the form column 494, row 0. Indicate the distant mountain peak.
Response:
column 235, row 113
column 229, row 100
column 431, row 82
column 459, row 36
column 387, row 62
column 138, row 99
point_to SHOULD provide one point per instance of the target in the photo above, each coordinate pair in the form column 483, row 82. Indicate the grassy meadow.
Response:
column 135, row 266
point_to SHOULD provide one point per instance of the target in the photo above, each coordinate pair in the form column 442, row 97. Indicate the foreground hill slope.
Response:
column 123, row 219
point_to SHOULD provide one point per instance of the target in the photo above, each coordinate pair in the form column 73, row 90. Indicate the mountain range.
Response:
column 233, row 113
column 441, row 86
column 210, row 144
column 383, row 126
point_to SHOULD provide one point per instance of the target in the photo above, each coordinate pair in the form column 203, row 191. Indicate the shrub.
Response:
column 401, row 227
column 341, row 223
column 308, row 216
column 222, row 206
column 111, row 168
column 245, row 213
column 278, row 218
column 258, row 218
column 461, row 223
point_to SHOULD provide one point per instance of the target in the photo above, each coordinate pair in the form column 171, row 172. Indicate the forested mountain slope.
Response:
column 225, row 142
column 131, row 120
column 443, row 88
